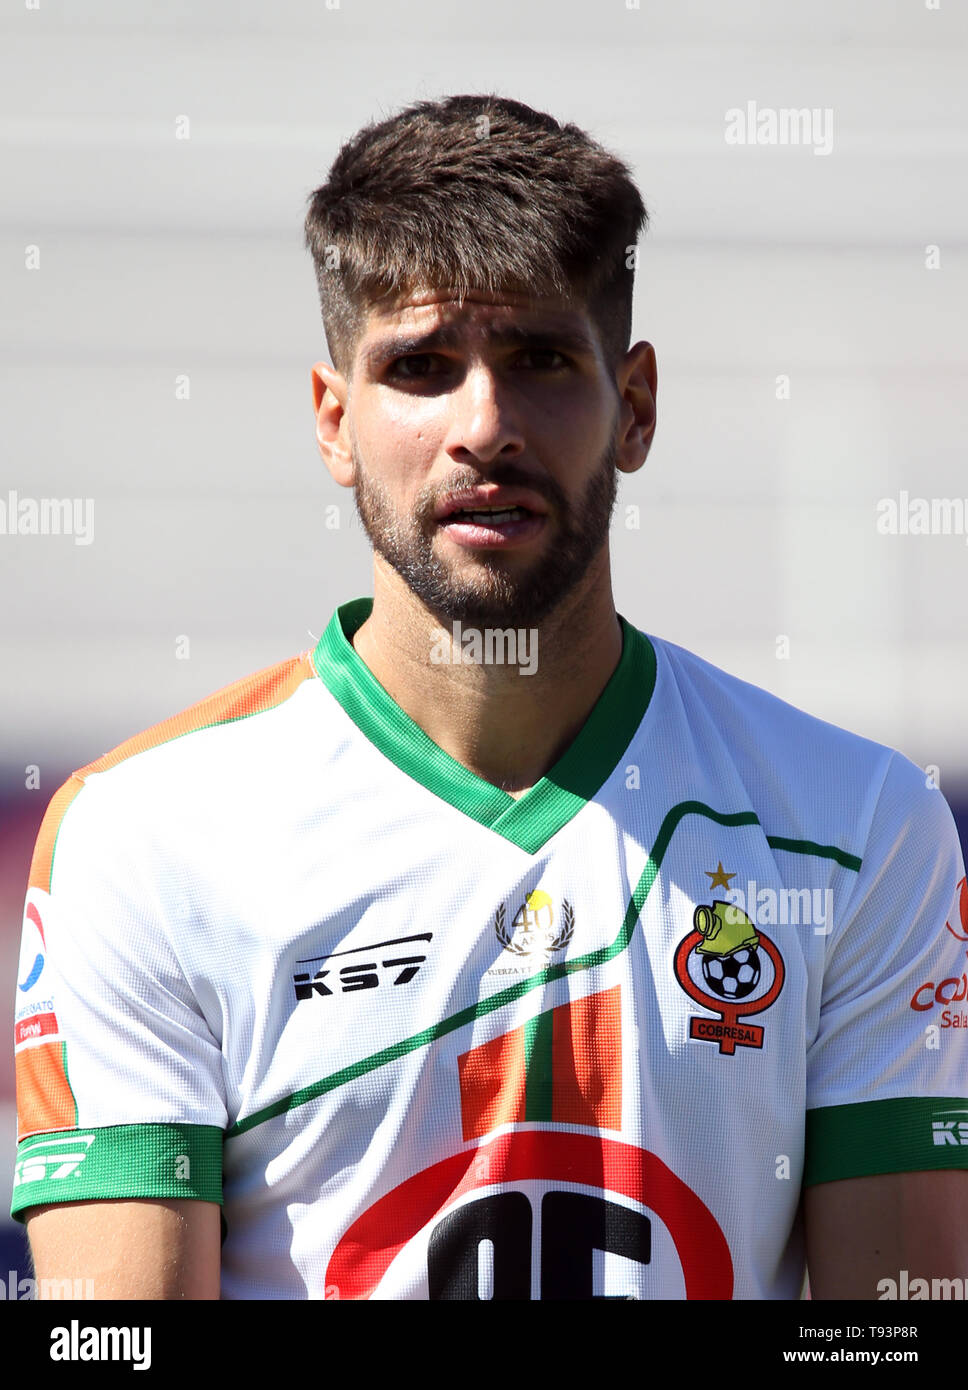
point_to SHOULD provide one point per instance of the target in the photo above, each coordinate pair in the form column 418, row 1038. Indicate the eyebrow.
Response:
column 540, row 336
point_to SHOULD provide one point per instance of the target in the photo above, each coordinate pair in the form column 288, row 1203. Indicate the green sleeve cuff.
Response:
column 911, row 1135
column 149, row 1160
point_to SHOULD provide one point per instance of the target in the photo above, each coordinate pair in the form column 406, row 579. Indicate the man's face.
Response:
column 483, row 438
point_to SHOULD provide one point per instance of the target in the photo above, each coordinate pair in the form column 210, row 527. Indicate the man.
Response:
column 493, row 949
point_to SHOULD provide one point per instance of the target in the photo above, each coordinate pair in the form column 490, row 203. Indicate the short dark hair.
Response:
column 474, row 193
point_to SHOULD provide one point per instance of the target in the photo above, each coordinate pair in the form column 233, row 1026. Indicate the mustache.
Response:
column 505, row 475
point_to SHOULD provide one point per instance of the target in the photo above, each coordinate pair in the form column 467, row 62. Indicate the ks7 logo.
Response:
column 394, row 969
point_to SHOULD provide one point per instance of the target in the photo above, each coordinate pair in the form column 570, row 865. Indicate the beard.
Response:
column 496, row 594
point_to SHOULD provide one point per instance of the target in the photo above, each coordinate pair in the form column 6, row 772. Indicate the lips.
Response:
column 502, row 520
column 491, row 516
column 490, row 502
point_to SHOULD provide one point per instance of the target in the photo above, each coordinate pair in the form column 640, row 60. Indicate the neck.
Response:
column 505, row 707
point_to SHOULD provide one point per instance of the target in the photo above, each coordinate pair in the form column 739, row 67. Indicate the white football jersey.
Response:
column 426, row 1040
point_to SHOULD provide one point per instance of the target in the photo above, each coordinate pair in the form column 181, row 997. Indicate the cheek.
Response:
column 571, row 424
column 396, row 457
column 398, row 441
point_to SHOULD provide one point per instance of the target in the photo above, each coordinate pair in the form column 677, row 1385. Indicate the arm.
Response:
column 120, row 1093
column 887, row 1078
column 128, row 1249
column 862, row 1231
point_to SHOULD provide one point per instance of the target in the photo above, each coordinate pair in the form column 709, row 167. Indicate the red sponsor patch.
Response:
column 950, row 991
column 36, row 1026
column 962, row 934
column 378, row 1235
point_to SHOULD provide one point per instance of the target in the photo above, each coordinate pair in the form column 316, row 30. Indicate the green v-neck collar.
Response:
column 528, row 821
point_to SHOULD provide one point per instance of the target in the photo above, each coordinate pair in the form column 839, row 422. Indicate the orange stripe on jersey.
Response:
column 43, row 856
column 492, row 1084
column 44, row 1097
column 569, row 1072
column 586, row 1061
column 242, row 698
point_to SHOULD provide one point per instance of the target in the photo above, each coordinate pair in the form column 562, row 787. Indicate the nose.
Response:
column 485, row 424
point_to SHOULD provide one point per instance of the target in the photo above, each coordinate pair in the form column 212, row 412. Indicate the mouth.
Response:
column 491, row 516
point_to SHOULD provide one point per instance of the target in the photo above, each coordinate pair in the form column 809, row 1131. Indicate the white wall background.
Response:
column 161, row 256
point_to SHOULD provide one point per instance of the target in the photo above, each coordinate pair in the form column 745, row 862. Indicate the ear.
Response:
column 330, row 394
column 636, row 380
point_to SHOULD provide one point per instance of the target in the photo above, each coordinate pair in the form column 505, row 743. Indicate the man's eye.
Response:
column 541, row 359
column 417, row 364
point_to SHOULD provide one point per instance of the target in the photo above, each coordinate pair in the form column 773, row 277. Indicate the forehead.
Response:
column 478, row 317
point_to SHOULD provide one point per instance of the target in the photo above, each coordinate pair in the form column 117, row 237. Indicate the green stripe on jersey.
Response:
column 910, row 1135
column 670, row 824
column 153, row 1160
column 839, row 856
column 538, row 1034
column 528, row 821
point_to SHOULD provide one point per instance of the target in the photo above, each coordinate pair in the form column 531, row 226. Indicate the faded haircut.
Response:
column 474, row 193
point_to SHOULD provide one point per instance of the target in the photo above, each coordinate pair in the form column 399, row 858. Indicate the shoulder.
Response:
column 811, row 778
column 153, row 763
column 697, row 682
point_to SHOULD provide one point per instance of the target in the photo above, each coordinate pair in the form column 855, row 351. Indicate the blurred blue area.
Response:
column 14, row 1259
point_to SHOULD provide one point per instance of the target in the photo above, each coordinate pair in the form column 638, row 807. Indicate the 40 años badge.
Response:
column 534, row 927
column 731, row 969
